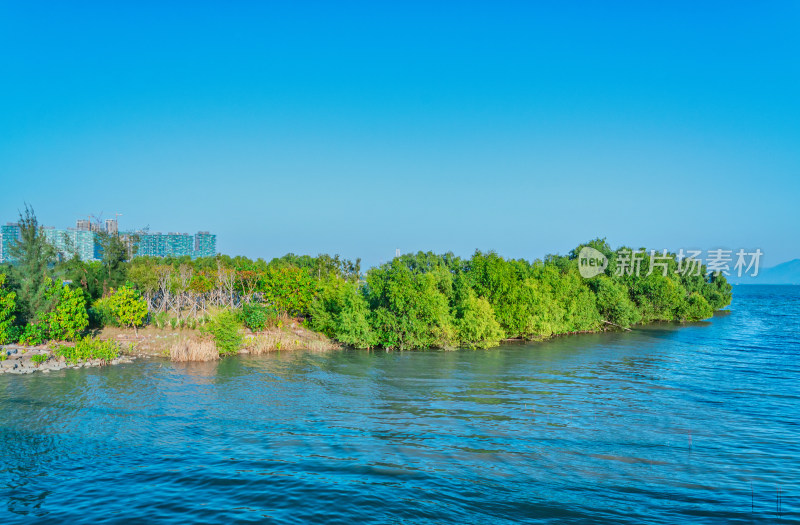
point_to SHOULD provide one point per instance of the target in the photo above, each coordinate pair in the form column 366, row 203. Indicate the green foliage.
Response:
column 341, row 312
column 32, row 255
column 8, row 306
column 421, row 300
column 38, row 359
column 288, row 290
column 128, row 307
column 696, row 308
column 434, row 301
column 35, row 333
column 115, row 253
column 476, row 325
column 225, row 329
column 258, row 317
column 101, row 313
column 409, row 308
column 321, row 267
column 717, row 291
column 161, row 320
column 539, row 315
column 614, row 302
column 656, row 297
column 503, row 284
column 70, row 317
column 89, row 348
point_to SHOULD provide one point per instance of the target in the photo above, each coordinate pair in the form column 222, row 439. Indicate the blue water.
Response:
column 667, row 424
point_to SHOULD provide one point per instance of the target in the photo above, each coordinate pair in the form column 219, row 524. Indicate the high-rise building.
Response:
column 205, row 245
column 179, row 244
column 83, row 241
column 173, row 244
column 130, row 241
column 158, row 244
column 69, row 243
column 9, row 235
column 89, row 225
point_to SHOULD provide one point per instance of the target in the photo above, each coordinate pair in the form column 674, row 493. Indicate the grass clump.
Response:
column 193, row 350
column 38, row 359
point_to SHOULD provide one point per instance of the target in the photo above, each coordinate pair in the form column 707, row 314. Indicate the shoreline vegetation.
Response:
column 210, row 308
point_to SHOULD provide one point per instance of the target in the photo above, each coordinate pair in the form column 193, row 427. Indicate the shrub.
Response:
column 38, row 359
column 290, row 290
column 69, row 318
column 101, row 314
column 224, row 328
column 14, row 333
column 257, row 317
column 128, row 307
column 341, row 312
column 476, row 326
column 614, row 302
column 696, row 308
column 409, row 310
column 89, row 348
column 34, row 333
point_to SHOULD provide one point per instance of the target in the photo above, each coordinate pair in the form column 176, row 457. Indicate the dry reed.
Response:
column 193, row 350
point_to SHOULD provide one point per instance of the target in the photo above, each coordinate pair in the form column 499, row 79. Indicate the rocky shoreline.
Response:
column 21, row 360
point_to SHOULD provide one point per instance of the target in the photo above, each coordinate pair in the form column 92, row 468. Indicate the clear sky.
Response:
column 361, row 127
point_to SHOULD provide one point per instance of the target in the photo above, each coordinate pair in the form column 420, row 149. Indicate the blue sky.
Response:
column 361, row 127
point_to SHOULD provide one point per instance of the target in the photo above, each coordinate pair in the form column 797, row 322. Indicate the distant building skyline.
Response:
column 9, row 233
column 174, row 244
column 82, row 240
column 73, row 241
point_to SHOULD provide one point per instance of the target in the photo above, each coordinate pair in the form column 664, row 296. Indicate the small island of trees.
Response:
column 415, row 301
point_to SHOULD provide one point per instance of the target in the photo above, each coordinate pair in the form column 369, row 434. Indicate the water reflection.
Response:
column 664, row 424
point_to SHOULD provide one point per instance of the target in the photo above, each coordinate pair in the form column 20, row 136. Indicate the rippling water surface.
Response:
column 692, row 424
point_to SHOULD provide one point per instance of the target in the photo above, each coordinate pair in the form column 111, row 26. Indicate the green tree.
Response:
column 115, row 254
column 476, row 325
column 32, row 255
column 502, row 283
column 409, row 309
column 8, row 306
column 544, row 315
column 341, row 312
column 128, row 307
column 614, row 302
column 695, row 308
column 288, row 289
column 717, row 291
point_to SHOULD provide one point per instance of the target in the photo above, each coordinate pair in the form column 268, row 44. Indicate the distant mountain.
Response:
column 785, row 273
